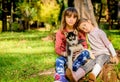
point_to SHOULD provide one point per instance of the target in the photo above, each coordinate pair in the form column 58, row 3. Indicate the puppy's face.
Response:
column 71, row 38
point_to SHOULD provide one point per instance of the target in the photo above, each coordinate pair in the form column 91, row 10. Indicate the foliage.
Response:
column 26, row 10
column 15, row 26
column 49, row 12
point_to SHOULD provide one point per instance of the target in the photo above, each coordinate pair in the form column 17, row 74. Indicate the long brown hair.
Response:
column 68, row 12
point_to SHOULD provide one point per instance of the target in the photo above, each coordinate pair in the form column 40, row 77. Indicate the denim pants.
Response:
column 61, row 62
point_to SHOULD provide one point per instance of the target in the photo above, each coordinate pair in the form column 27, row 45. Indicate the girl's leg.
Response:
column 60, row 69
column 81, row 59
column 81, row 71
column 100, row 60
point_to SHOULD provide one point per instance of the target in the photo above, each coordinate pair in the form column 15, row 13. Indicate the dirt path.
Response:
column 50, row 71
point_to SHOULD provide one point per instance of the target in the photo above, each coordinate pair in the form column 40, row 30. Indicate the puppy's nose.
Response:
column 73, row 44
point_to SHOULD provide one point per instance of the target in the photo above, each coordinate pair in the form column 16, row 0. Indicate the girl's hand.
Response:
column 115, row 60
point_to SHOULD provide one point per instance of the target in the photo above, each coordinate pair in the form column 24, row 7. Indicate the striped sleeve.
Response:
column 104, row 38
column 107, row 43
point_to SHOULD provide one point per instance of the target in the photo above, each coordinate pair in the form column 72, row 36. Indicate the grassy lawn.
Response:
column 24, row 54
column 114, row 37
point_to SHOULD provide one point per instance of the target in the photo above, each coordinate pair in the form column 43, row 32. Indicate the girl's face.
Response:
column 85, row 26
column 70, row 20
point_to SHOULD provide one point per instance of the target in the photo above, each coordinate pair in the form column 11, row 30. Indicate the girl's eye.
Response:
column 75, row 16
column 83, row 27
column 68, row 16
column 84, row 24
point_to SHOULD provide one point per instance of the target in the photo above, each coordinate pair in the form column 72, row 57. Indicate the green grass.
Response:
column 114, row 37
column 24, row 54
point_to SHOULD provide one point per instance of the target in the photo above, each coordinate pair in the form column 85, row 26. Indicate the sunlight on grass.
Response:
column 114, row 37
column 23, row 54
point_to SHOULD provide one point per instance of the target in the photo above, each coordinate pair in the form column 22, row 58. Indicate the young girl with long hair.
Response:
column 68, row 24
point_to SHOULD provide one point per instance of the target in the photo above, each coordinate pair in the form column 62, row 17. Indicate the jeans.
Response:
column 61, row 62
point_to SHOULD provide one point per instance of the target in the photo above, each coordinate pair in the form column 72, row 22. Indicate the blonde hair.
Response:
column 68, row 12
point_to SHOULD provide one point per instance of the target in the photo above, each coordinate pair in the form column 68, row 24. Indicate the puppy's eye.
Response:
column 70, row 38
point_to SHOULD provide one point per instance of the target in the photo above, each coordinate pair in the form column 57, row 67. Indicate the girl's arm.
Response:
column 60, row 48
column 110, row 47
column 82, row 35
column 107, row 43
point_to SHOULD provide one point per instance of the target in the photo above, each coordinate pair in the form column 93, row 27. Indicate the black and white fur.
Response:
column 73, row 45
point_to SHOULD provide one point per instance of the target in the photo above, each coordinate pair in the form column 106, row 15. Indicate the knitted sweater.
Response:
column 99, row 42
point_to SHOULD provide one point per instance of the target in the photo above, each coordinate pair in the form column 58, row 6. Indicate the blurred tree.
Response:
column 85, row 9
column 4, row 15
column 112, row 11
column 62, row 7
column 49, row 12
column 70, row 3
column 27, row 13
column 118, row 26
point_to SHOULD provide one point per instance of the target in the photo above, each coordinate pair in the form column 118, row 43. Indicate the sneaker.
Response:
column 60, row 78
column 92, row 77
column 69, row 75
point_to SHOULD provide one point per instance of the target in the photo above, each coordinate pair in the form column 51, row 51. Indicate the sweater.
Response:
column 99, row 43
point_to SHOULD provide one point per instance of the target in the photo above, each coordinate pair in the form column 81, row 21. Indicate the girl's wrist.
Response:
column 64, row 54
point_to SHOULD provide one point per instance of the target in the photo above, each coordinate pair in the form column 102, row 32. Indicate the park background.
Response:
column 27, row 35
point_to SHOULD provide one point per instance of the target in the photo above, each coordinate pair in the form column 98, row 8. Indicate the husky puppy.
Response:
column 73, row 46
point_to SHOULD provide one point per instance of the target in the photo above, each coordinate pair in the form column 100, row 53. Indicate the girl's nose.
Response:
column 71, row 19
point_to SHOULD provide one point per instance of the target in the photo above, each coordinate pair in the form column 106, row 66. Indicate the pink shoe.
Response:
column 60, row 78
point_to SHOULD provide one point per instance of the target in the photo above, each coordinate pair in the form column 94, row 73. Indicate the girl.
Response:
column 100, row 46
column 68, row 22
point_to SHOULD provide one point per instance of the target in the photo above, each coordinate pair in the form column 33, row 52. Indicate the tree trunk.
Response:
column 118, row 15
column 70, row 3
column 26, row 24
column 100, row 13
column 85, row 10
column 11, row 18
column 4, row 15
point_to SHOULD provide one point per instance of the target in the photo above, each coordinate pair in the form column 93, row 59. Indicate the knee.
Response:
column 61, row 60
column 103, row 59
column 86, row 53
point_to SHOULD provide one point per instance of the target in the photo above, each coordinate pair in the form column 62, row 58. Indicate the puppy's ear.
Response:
column 76, row 32
column 65, row 33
